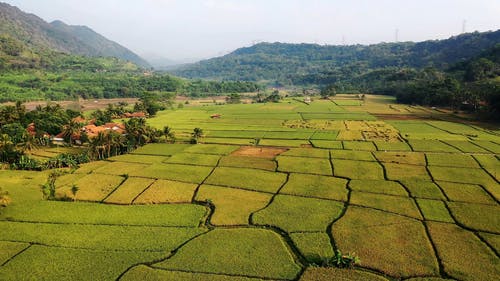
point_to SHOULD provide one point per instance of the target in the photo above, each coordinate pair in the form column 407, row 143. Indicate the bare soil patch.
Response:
column 257, row 151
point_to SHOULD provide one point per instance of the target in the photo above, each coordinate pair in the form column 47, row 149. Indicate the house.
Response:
column 92, row 130
column 139, row 114
column 307, row 99
column 216, row 116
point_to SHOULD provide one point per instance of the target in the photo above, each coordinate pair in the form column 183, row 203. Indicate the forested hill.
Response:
column 38, row 35
column 305, row 64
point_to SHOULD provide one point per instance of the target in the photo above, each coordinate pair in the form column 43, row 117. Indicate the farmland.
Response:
column 270, row 193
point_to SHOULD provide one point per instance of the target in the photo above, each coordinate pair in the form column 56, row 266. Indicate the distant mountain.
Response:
column 78, row 40
column 305, row 64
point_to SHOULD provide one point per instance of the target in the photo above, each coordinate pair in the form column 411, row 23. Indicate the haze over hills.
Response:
column 77, row 40
column 303, row 64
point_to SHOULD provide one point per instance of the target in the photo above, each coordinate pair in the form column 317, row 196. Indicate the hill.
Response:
column 39, row 35
column 312, row 64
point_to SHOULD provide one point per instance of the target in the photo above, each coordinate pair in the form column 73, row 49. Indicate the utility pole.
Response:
column 464, row 26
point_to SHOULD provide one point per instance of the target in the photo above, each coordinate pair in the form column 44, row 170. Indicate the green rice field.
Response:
column 413, row 198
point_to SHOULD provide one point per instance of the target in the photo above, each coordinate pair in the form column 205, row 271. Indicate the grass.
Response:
column 464, row 192
column 454, row 243
column 332, row 273
column 327, row 144
column 95, row 187
column 357, row 169
column 466, row 146
column 293, row 213
column 142, row 272
column 411, row 158
column 451, row 160
column 128, row 190
column 314, row 246
column 316, row 186
column 234, row 141
column 289, row 135
column 182, row 215
column 304, row 165
column 394, row 204
column 282, row 142
column 248, row 162
column 120, row 168
column 473, row 216
column 378, row 186
column 161, row 149
column 211, row 149
column 193, row 159
column 492, row 239
column 247, row 179
column 352, row 155
column 431, row 146
column 490, row 163
column 350, row 135
column 391, row 146
column 10, row 249
column 49, row 263
column 386, row 246
column 166, row 191
column 403, row 172
column 100, row 237
column 359, row 145
column 423, row 189
column 137, row 158
column 233, row 206
column 175, row 172
column 488, row 145
column 325, row 135
column 434, row 210
column 90, row 167
column 466, row 175
column 307, row 152
column 215, row 251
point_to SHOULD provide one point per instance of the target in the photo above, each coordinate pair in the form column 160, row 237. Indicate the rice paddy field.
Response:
column 270, row 193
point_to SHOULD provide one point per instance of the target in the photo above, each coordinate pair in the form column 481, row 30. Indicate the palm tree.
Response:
column 97, row 146
column 196, row 135
column 70, row 130
column 168, row 133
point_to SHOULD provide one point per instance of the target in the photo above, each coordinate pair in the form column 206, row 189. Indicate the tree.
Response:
column 328, row 91
column 169, row 134
column 70, row 130
column 196, row 135
column 233, row 99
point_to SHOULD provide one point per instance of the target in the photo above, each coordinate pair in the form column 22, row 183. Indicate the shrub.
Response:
column 342, row 261
column 4, row 198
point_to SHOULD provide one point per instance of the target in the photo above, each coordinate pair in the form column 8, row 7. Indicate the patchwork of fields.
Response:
column 415, row 199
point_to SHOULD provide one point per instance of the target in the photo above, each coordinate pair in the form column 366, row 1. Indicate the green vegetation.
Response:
column 386, row 246
column 393, row 204
column 284, row 211
column 256, row 211
column 247, row 179
column 233, row 206
column 214, row 253
column 316, row 186
column 72, row 264
column 304, row 165
column 357, row 169
column 453, row 243
column 378, row 186
column 434, row 210
column 315, row 246
column 165, row 191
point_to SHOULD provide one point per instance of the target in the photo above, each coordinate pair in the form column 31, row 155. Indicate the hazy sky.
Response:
column 180, row 29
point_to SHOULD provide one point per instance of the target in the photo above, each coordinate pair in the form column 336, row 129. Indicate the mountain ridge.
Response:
column 291, row 64
column 36, row 33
